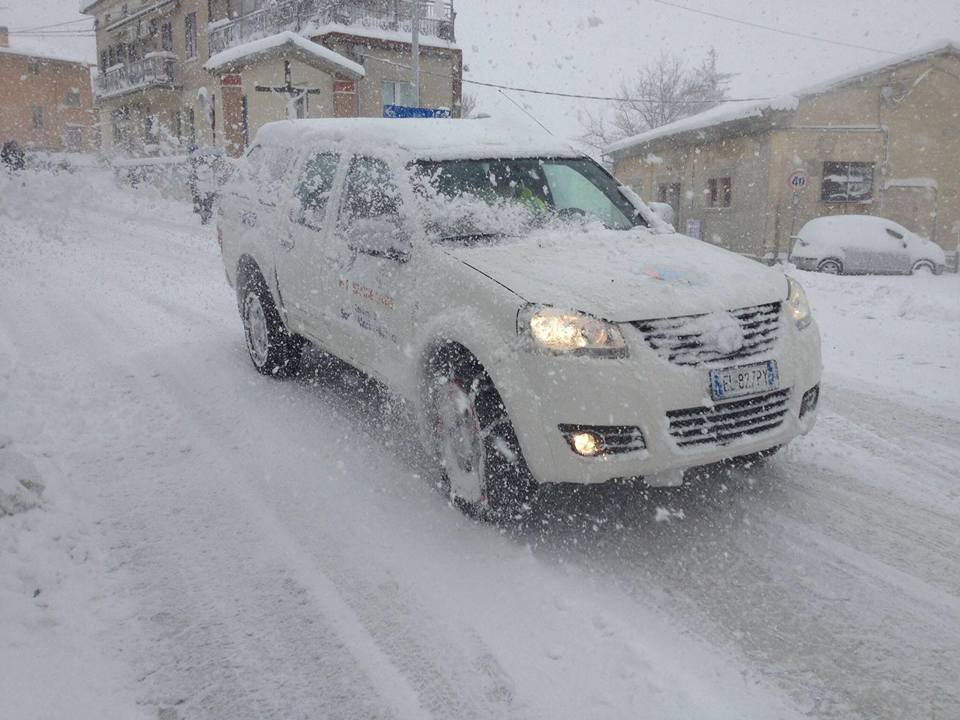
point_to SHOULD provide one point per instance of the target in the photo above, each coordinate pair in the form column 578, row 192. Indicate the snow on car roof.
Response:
column 421, row 138
column 827, row 226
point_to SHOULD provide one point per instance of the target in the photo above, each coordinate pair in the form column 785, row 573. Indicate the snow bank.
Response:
column 877, row 330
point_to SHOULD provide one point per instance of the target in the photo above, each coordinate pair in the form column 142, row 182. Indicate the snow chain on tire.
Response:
column 509, row 484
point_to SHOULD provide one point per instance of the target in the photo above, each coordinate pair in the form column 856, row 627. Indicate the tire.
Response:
column 830, row 266
column 924, row 265
column 474, row 442
column 272, row 349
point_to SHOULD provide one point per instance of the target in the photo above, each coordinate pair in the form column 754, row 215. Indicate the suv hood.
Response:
column 626, row 276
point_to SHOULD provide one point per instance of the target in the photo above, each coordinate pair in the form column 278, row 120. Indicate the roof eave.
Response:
column 286, row 50
column 768, row 121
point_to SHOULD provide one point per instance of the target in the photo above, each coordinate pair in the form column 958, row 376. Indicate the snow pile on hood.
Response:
column 625, row 275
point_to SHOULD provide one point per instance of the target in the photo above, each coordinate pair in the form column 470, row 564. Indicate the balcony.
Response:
column 158, row 69
column 436, row 19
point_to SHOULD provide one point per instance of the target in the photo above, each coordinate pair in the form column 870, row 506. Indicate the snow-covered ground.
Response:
column 227, row 546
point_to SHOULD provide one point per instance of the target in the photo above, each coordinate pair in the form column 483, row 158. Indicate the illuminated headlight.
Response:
column 797, row 304
column 571, row 332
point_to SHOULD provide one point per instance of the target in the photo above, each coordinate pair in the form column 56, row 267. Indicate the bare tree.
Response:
column 468, row 105
column 662, row 92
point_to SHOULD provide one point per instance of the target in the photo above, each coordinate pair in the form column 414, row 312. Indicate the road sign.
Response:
column 798, row 180
column 401, row 111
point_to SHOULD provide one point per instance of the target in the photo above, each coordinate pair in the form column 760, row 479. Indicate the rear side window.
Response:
column 273, row 169
column 314, row 188
column 370, row 191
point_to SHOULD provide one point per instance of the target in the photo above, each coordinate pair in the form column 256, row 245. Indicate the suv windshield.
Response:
column 471, row 199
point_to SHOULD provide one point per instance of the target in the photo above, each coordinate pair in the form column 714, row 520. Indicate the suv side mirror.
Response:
column 664, row 211
column 380, row 236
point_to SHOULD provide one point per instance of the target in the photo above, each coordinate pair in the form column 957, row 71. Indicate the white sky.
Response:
column 588, row 47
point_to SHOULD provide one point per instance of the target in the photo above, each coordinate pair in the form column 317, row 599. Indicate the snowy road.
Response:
column 236, row 547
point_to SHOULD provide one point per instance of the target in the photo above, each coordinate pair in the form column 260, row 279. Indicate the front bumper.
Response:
column 644, row 390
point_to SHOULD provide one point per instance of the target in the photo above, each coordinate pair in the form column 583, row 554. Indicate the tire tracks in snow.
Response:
column 141, row 375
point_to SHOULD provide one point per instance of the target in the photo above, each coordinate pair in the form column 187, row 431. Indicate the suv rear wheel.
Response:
column 273, row 350
column 483, row 468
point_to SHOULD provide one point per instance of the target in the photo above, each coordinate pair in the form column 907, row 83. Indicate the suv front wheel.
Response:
column 483, row 468
column 273, row 350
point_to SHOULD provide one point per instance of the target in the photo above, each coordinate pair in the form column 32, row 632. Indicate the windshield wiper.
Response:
column 471, row 238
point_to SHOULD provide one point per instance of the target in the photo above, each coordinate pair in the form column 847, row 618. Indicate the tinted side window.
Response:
column 314, row 188
column 370, row 191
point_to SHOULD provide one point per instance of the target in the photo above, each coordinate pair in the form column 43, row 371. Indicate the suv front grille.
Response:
column 698, row 339
column 728, row 421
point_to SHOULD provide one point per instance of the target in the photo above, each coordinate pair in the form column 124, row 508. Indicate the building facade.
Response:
column 884, row 141
column 47, row 101
column 181, row 73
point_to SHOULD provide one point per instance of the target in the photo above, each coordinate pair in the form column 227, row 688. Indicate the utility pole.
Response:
column 415, row 49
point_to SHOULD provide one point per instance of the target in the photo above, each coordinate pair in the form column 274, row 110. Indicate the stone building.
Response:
column 47, row 101
column 178, row 73
column 883, row 140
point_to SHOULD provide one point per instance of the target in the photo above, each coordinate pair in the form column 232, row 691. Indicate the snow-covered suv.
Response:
column 544, row 323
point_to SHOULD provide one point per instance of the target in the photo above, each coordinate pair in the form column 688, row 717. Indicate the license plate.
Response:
column 733, row 382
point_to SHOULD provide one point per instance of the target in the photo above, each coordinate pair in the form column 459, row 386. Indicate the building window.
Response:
column 190, row 35
column 37, row 117
column 72, row 98
column 719, row 192
column 33, row 66
column 670, row 193
column 847, row 182
column 166, row 37
column 74, row 138
column 398, row 93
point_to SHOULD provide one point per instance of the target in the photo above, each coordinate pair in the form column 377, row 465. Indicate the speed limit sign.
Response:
column 798, row 180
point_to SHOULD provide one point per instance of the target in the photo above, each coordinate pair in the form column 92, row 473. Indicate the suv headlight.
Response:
column 562, row 331
column 797, row 303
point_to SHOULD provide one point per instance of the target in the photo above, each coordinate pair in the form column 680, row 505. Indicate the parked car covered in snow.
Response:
column 859, row 244
column 545, row 324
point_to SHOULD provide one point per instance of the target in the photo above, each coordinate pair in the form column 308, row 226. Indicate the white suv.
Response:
column 544, row 323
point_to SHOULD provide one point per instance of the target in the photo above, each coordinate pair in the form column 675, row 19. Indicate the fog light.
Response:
column 585, row 443
column 811, row 399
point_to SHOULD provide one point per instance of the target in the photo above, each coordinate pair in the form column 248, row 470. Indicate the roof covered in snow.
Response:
column 730, row 112
column 284, row 42
column 421, row 138
column 43, row 54
column 319, row 30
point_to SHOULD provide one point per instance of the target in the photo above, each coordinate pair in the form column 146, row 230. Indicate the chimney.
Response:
column 4, row 36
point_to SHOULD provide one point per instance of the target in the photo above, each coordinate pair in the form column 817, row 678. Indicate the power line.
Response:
column 54, row 25
column 769, row 28
column 525, row 111
column 578, row 96
column 51, row 33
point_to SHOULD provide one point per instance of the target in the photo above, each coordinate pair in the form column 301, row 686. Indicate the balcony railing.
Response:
column 156, row 69
column 436, row 19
